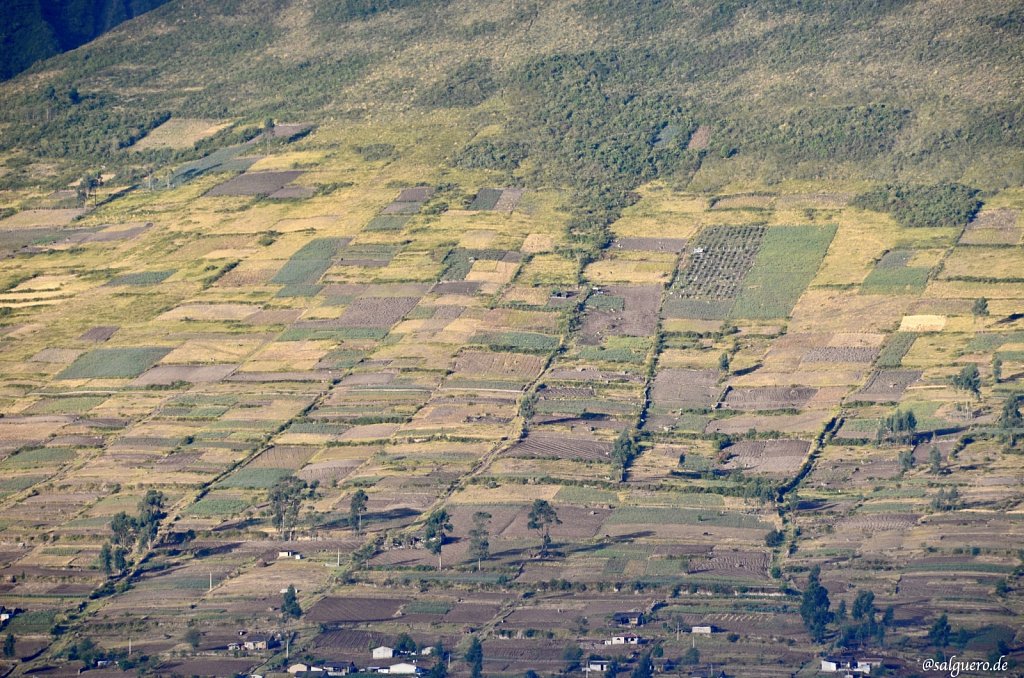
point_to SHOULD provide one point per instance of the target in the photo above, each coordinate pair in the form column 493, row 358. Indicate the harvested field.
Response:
column 402, row 208
column 768, row 398
column 179, row 133
column 808, row 422
column 821, row 201
column 778, row 458
column 841, row 354
column 288, row 131
column 293, row 193
column 700, row 138
column 685, row 389
column 732, row 562
column 509, row 200
column 210, row 312
column 744, row 202
column 650, row 244
column 993, row 227
column 255, row 183
column 862, row 523
column 36, row 218
column 387, row 223
column 471, row 613
column 485, row 199
column 456, row 287
column 577, row 523
column 140, row 279
column 367, row 256
column 283, row 456
column 380, row 312
column 114, row 233
column 497, row 365
column 588, row 374
column 637, row 316
column 922, row 323
column 337, row 609
column 194, row 374
column 349, row 640
column 59, row 356
column 551, row 446
column 887, row 385
column 415, row 194
column 99, row 334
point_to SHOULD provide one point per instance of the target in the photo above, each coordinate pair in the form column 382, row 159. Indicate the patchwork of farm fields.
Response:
column 254, row 377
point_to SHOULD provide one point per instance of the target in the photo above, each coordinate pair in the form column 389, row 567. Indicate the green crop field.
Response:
column 787, row 261
column 113, row 363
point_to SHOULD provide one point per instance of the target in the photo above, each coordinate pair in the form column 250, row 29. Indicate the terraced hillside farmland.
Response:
column 699, row 467
column 509, row 340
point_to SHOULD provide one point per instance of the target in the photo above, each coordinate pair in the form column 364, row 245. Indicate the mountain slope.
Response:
column 37, row 29
column 871, row 89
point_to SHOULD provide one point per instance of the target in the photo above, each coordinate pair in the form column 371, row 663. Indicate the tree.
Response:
column 905, row 459
column 479, row 543
column 997, row 369
column 356, row 509
column 124, row 529
column 723, row 362
column 946, row 500
column 1009, row 417
column 405, row 644
column 900, row 426
column 192, row 637
column 106, row 558
column 939, row 633
column 968, row 379
column 644, row 667
column 814, row 606
column 438, row 670
column 624, row 451
column 151, row 512
column 286, row 503
column 774, row 538
column 120, row 561
column 89, row 182
column 889, row 617
column 980, row 307
column 475, row 658
column 542, row 516
column 9, row 645
column 437, row 529
column 290, row 603
column 572, row 655
column 935, row 460
column 691, row 656
column 864, row 606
